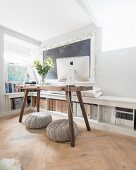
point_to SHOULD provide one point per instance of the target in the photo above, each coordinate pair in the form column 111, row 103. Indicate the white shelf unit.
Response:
column 9, row 96
column 109, row 101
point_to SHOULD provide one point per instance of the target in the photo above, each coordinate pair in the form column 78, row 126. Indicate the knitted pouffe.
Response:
column 38, row 120
column 58, row 130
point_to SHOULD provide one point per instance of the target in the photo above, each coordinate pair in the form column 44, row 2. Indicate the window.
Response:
column 18, row 57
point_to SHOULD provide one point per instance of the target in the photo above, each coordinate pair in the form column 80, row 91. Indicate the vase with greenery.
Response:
column 42, row 69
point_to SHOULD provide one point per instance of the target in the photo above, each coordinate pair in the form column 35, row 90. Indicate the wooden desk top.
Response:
column 54, row 88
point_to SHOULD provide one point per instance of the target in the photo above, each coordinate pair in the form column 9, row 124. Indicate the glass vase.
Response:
column 42, row 80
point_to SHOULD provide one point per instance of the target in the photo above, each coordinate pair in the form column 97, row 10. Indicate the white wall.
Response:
column 2, row 98
column 2, row 82
column 115, row 70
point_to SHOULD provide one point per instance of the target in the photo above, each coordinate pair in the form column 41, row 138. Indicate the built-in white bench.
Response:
column 105, row 105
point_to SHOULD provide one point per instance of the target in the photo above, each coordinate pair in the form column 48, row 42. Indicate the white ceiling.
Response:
column 42, row 19
column 118, row 18
column 114, row 12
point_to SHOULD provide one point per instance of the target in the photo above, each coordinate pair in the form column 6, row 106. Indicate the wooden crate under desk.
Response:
column 57, row 105
column 53, row 104
column 42, row 102
column 33, row 101
column 61, row 106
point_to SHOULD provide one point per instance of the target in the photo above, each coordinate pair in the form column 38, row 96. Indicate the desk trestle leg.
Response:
column 38, row 100
column 23, row 105
column 83, row 110
column 70, row 118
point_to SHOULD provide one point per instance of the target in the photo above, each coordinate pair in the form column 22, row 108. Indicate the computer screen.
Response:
column 79, row 64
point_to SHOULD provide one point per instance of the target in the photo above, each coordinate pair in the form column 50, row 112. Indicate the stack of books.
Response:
column 124, row 116
column 11, row 88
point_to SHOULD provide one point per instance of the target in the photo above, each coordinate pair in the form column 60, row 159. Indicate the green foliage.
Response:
column 43, row 69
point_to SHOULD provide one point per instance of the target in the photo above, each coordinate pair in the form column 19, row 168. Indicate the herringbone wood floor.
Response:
column 95, row 150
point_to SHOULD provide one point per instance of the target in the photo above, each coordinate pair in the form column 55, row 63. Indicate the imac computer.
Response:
column 79, row 65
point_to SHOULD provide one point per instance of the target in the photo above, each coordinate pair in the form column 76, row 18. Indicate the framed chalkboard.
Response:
column 81, row 48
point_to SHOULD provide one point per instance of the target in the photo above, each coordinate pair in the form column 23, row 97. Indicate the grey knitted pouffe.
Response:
column 58, row 130
column 38, row 120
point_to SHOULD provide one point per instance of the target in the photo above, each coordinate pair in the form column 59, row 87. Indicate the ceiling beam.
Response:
column 90, row 12
column 20, row 36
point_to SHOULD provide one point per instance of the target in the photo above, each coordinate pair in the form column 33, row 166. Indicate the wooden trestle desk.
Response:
column 68, row 91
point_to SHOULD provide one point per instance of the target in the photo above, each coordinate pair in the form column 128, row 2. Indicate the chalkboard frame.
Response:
column 79, row 48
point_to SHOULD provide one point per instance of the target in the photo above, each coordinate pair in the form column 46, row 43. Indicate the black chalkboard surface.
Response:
column 81, row 48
